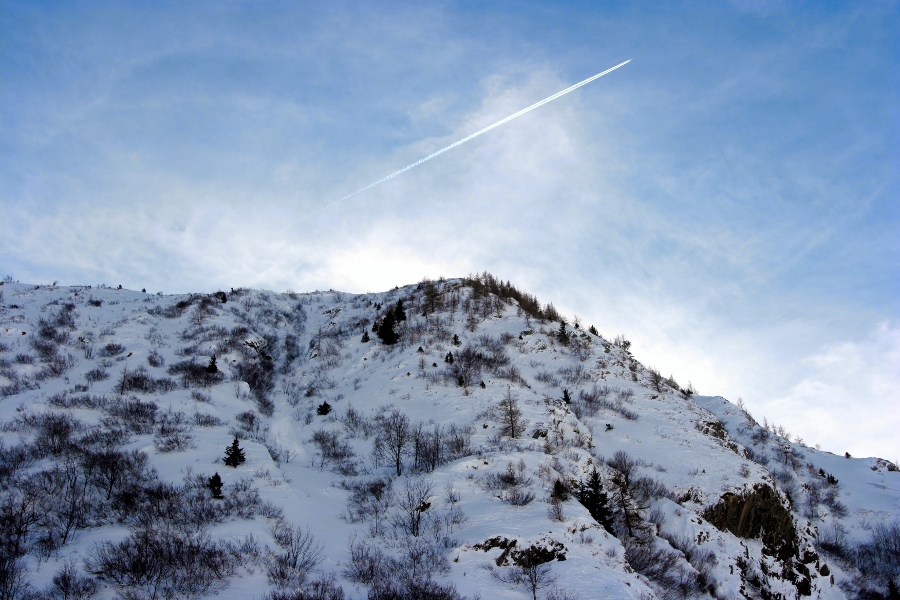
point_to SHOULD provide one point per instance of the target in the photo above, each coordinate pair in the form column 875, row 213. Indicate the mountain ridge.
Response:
column 704, row 502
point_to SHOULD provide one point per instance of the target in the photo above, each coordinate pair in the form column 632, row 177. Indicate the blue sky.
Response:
column 728, row 200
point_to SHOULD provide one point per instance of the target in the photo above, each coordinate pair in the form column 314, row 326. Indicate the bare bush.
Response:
column 369, row 499
column 426, row 589
column 320, row 589
column 412, row 503
column 879, row 559
column 530, row 568
column 662, row 568
column 332, row 450
column 394, row 438
column 54, row 433
column 207, row 420
column 299, row 555
column 155, row 359
column 14, row 580
column 163, row 563
column 357, row 424
column 195, row 374
column 139, row 380
column 173, row 432
column 138, row 416
column 111, row 349
column 70, row 584
column 367, row 564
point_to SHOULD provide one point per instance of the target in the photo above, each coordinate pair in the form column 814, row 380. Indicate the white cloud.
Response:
column 849, row 394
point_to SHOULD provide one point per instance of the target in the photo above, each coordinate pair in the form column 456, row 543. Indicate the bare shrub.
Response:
column 556, row 593
column 555, row 510
column 357, row 424
column 163, row 563
column 573, row 375
column 413, row 588
column 138, row 416
column 70, row 584
column 661, row 567
column 320, row 589
column 332, row 450
column 95, row 375
column 548, row 378
column 139, row 380
column 155, row 359
column 111, row 349
column 24, row 359
column 195, row 374
column 54, row 433
column 299, row 555
column 173, row 432
column 518, row 496
column 367, row 564
column 394, row 438
column 530, row 568
column 14, row 577
column 207, row 420
column 412, row 503
column 879, row 559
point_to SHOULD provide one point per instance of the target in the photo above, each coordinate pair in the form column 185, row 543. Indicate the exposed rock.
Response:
column 757, row 514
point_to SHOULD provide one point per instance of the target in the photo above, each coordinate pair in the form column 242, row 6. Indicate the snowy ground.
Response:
column 689, row 450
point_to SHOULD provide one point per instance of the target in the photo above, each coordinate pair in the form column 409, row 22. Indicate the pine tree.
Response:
column 323, row 409
column 594, row 499
column 560, row 490
column 567, row 398
column 456, row 341
column 386, row 329
column 234, row 455
column 594, row 330
column 562, row 335
column 212, row 369
column 399, row 313
column 449, row 358
column 365, row 337
column 215, row 486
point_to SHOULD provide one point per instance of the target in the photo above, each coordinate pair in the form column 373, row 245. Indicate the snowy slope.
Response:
column 720, row 506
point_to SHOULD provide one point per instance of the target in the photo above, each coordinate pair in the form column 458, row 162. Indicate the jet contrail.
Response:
column 479, row 132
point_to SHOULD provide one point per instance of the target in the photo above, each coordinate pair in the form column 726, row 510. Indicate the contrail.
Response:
column 479, row 132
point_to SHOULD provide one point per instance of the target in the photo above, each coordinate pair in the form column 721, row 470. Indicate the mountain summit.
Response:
column 444, row 440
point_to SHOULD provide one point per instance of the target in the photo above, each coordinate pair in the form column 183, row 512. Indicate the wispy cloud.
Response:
column 726, row 200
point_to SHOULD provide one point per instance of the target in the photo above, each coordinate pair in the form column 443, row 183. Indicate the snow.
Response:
column 667, row 439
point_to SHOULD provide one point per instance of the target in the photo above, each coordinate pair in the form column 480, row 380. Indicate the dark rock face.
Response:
column 758, row 514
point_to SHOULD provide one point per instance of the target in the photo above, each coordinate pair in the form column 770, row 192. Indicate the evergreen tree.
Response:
column 567, row 398
column 215, row 486
column 456, row 341
column 323, row 409
column 562, row 335
column 594, row 499
column 594, row 330
column 386, row 329
column 212, row 369
column 234, row 455
column 399, row 313
column 449, row 358
column 560, row 490
column 365, row 337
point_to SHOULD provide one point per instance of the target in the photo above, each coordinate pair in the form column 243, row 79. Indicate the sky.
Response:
column 728, row 201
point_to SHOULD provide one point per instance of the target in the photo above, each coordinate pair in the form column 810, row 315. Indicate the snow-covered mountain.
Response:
column 491, row 451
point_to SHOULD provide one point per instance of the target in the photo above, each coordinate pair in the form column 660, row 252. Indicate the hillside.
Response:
column 491, row 451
